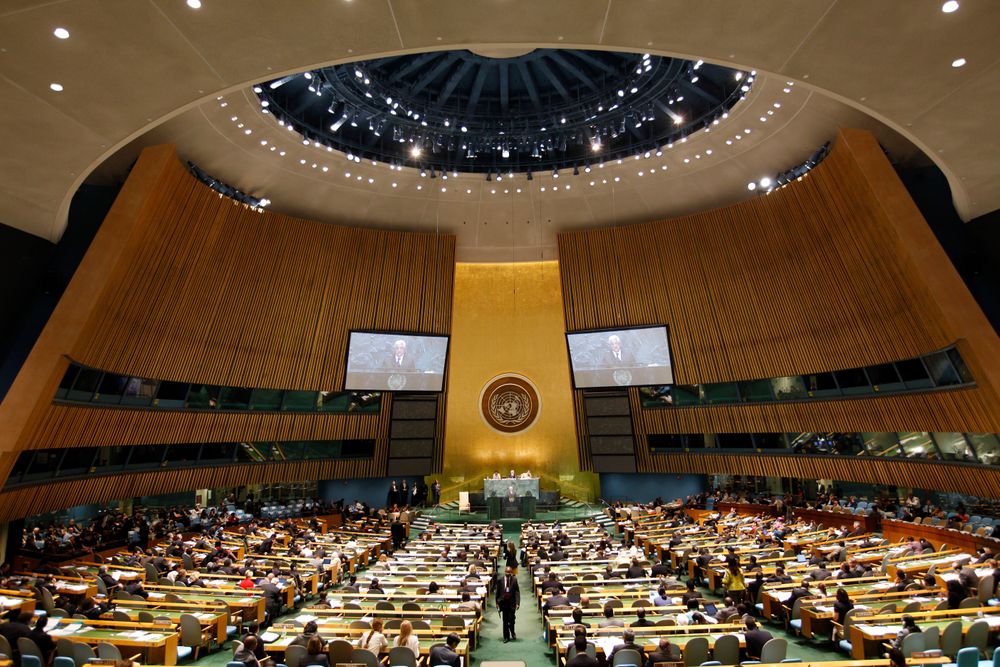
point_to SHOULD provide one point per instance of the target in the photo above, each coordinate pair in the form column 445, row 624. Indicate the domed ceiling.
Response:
column 545, row 109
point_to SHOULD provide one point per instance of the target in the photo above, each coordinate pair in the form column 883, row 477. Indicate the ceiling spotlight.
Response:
column 751, row 186
column 950, row 6
column 194, row 4
column 57, row 87
column 505, row 153
column 765, row 182
column 595, row 147
column 415, row 151
column 464, row 128
column 555, row 174
column 958, row 62
column 63, row 33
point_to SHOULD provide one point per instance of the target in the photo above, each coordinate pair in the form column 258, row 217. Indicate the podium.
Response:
column 499, row 503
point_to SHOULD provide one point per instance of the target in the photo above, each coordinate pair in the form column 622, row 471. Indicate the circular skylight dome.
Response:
column 543, row 110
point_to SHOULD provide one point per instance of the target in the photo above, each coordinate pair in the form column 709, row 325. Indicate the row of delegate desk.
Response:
column 405, row 578
column 150, row 626
column 653, row 533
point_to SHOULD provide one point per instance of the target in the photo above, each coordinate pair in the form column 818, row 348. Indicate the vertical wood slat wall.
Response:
column 213, row 292
column 813, row 277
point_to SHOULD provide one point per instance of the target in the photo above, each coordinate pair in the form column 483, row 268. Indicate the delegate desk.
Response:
column 157, row 642
column 867, row 634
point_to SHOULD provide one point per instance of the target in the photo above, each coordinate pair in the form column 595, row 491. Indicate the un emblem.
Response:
column 623, row 377
column 396, row 381
column 509, row 403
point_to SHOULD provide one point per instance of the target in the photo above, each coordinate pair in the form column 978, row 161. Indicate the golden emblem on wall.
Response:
column 509, row 403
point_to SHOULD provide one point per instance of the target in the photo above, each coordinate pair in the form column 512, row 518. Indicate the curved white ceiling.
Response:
column 136, row 72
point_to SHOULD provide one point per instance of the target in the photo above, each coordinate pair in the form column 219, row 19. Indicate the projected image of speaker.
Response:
column 392, row 361
column 620, row 357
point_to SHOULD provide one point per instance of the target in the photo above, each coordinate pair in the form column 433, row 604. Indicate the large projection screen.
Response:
column 620, row 357
column 384, row 361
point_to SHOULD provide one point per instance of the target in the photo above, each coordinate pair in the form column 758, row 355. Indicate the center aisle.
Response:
column 530, row 647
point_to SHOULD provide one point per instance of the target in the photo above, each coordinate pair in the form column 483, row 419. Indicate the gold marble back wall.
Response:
column 508, row 318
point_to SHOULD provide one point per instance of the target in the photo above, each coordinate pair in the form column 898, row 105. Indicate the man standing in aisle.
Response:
column 508, row 602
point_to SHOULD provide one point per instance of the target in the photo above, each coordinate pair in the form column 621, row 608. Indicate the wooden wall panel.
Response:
column 809, row 278
column 969, row 479
column 35, row 499
column 182, row 284
column 216, row 292
column 828, row 273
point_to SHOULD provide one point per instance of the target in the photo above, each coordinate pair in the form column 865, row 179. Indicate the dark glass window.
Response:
column 217, row 451
column 959, row 363
column 146, row 456
column 299, row 401
column 172, row 394
column 235, row 398
column 332, row 401
column 885, row 378
column 77, row 460
column 756, row 391
column 735, row 440
column 87, row 381
column 203, row 397
column 686, row 394
column 789, row 388
column 941, row 370
column 822, row 384
column 853, row 381
column 769, row 440
column 139, row 391
column 111, row 388
column 721, row 392
column 357, row 449
column 111, row 458
column 266, row 399
column 67, row 381
column 180, row 455
column 659, row 441
column 914, row 374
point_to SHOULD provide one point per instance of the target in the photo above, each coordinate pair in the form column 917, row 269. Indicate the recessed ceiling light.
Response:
column 958, row 62
column 61, row 33
column 194, row 4
column 950, row 6
column 57, row 87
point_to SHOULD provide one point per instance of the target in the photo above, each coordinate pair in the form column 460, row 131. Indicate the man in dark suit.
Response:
column 628, row 642
column 662, row 569
column 755, row 639
column 508, row 601
column 665, row 652
column 400, row 359
column 616, row 356
column 581, row 659
column 445, row 655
